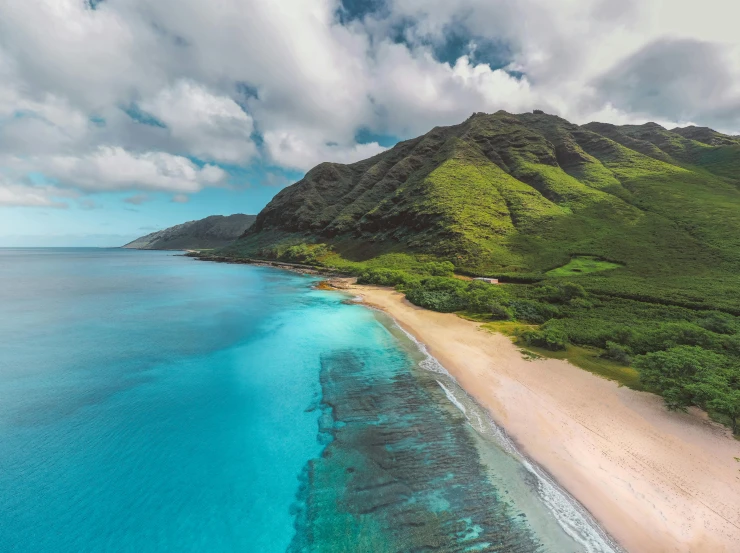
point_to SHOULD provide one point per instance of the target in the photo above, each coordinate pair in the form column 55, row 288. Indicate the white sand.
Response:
column 657, row 481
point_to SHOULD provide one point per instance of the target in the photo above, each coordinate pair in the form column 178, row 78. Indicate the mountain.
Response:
column 624, row 241
column 706, row 136
column 212, row 232
column 503, row 194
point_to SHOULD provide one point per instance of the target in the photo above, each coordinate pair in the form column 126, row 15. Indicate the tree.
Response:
column 690, row 375
column 714, row 392
column 618, row 353
column 438, row 294
column 499, row 312
column 721, row 323
column 533, row 311
column 671, row 372
column 482, row 297
column 561, row 292
column 439, row 268
column 550, row 338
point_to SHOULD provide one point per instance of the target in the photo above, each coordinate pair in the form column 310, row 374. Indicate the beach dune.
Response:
column 657, row 481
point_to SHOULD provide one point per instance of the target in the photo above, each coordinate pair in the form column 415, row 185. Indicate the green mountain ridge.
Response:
column 505, row 194
column 625, row 240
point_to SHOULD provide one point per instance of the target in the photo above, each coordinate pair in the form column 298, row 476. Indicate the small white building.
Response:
column 488, row 280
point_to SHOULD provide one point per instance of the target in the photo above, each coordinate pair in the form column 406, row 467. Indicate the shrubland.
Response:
column 689, row 356
column 618, row 247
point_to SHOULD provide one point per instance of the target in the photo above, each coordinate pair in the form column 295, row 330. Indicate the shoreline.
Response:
column 293, row 267
column 656, row 481
column 576, row 521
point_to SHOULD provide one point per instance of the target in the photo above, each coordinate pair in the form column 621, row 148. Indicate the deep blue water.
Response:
column 150, row 403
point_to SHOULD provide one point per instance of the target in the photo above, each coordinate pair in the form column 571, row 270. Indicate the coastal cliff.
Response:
column 215, row 231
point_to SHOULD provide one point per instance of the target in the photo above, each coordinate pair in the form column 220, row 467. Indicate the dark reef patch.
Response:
column 401, row 473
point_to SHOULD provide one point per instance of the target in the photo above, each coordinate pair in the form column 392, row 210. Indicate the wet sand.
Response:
column 657, row 481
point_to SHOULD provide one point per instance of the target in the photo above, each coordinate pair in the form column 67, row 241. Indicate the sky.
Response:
column 120, row 117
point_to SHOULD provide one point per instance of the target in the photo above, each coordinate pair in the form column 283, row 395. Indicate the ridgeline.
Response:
column 215, row 231
column 628, row 238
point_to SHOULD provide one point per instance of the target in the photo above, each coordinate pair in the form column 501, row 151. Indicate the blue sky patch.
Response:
column 459, row 42
column 366, row 136
column 140, row 116
column 357, row 9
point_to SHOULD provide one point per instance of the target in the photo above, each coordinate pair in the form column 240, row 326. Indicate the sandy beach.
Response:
column 658, row 482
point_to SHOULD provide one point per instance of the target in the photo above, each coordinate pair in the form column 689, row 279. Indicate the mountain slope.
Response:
column 626, row 240
column 506, row 194
column 212, row 232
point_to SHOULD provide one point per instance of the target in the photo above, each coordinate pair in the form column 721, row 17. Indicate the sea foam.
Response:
column 572, row 517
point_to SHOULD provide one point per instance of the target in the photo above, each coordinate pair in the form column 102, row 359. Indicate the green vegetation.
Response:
column 582, row 265
column 691, row 375
column 618, row 246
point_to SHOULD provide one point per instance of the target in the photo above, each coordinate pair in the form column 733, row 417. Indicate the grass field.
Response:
column 590, row 360
column 582, row 265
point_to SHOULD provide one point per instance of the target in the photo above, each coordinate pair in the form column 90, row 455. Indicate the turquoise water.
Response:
column 150, row 402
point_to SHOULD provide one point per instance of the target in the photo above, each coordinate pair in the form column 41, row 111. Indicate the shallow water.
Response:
column 149, row 402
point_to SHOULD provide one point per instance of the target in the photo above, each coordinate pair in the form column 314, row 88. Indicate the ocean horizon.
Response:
column 150, row 402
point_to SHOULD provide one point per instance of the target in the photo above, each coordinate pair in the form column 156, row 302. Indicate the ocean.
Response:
column 153, row 403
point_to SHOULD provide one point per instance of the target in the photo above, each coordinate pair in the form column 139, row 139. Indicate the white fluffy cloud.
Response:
column 417, row 92
column 114, row 169
column 589, row 59
column 303, row 150
column 207, row 126
column 27, row 195
column 291, row 83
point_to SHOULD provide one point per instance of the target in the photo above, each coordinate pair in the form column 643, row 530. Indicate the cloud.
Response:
column 417, row 92
column 113, row 168
column 563, row 51
column 19, row 194
column 180, row 198
column 206, row 125
column 89, row 204
column 305, row 150
column 683, row 79
column 28, row 196
column 275, row 179
column 289, row 84
column 137, row 199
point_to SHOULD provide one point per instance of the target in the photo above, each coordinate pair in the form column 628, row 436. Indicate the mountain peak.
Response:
column 510, row 193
